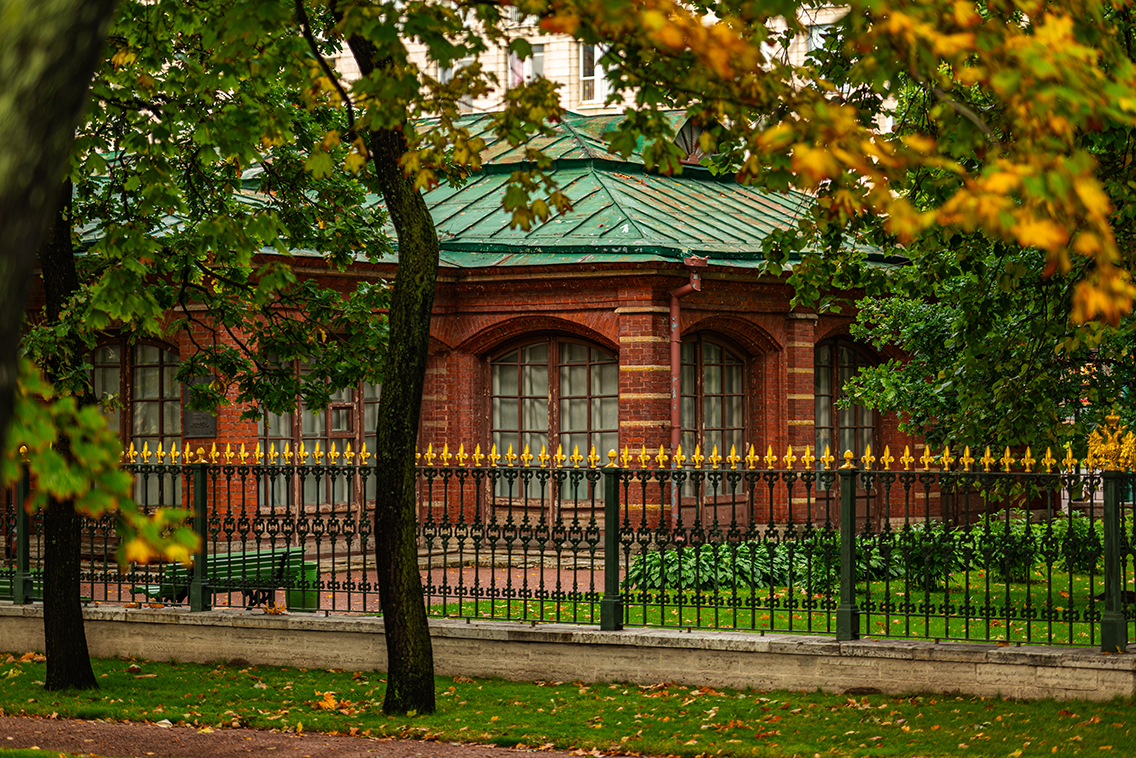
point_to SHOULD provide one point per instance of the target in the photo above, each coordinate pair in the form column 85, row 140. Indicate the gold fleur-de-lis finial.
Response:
column 174, row 454
column 188, row 456
column 1028, row 460
column 161, row 454
column 333, row 455
column 575, row 458
column 430, row 454
column 477, row 456
column 317, row 454
column 887, row 458
column 364, row 456
column 849, row 459
column 967, row 459
column 493, row 455
column 559, row 459
column 867, row 458
column 770, row 460
column 229, row 453
column 714, row 458
column 510, row 456
column 273, row 454
column 752, row 458
column 243, row 456
column 1008, row 460
column 789, row 459
column 213, row 454
column 662, row 458
column 258, row 455
column 808, row 459
column 625, row 458
column 593, row 459
column 526, row 457
column 698, row 458
column 644, row 457
column 679, row 458
column 146, row 454
column 462, row 455
column 131, row 454
column 543, row 458
column 987, row 460
column 302, row 455
column 417, row 455
column 827, row 459
column 446, row 454
column 348, row 455
column 906, row 458
column 1069, row 462
column 733, row 458
column 927, row 459
column 946, row 458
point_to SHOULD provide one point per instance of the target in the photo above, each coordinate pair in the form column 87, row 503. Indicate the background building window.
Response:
column 712, row 386
column 851, row 428
column 446, row 75
column 817, row 35
column 524, row 70
column 593, row 80
column 142, row 402
column 350, row 418
column 557, row 390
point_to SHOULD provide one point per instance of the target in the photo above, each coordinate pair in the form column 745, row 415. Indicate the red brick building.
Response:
column 560, row 338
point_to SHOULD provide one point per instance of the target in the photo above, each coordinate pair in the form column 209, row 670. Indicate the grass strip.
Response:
column 660, row 719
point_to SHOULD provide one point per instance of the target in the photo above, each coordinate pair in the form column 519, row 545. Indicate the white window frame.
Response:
column 597, row 76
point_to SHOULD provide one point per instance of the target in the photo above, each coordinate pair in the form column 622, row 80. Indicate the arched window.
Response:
column 713, row 390
column 350, row 418
column 851, row 428
column 142, row 401
column 555, row 393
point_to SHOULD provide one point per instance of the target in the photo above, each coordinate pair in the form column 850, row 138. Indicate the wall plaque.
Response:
column 197, row 424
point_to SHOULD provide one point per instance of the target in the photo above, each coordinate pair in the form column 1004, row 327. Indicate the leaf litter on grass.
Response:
column 665, row 718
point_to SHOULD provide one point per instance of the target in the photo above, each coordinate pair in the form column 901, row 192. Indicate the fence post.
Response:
column 848, row 613
column 611, row 606
column 22, row 581
column 199, row 595
column 1113, row 626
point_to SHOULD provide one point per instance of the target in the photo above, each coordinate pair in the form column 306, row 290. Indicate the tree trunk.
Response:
column 65, row 639
column 410, row 657
column 48, row 52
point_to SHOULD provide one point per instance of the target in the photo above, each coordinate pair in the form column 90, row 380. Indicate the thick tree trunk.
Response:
column 65, row 639
column 48, row 52
column 410, row 657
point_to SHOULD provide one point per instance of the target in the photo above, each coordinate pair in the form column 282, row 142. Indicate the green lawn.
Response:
column 661, row 719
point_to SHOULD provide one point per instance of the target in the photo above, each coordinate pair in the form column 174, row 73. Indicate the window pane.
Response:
column 341, row 420
column 687, row 352
column 607, row 441
column 311, row 424
column 712, row 412
column 535, row 380
column 535, row 414
column 146, row 418
column 732, row 379
column 371, row 417
column 278, row 425
column 712, row 380
column 537, row 353
column 573, row 380
column 605, row 379
column 535, row 440
column 711, row 353
column 505, row 378
column 146, row 354
column 822, row 379
column 570, row 352
column 169, row 386
column 686, row 412
column 574, row 414
column 687, row 382
column 732, row 411
column 172, row 418
column 732, row 438
column 371, row 391
column 823, row 439
column 107, row 354
column 823, row 411
column 847, row 442
column 146, row 383
column 605, row 413
column 106, row 382
column 345, row 395
column 588, row 60
column 866, row 440
column 505, row 413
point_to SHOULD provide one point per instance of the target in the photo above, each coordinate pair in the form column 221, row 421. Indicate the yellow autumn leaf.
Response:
column 1039, row 232
column 952, row 44
column 1091, row 194
column 1001, row 183
column 354, row 162
column 671, row 37
column 814, row 164
column 137, row 551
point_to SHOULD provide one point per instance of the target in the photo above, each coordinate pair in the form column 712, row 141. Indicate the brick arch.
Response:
column 750, row 336
column 845, row 330
column 512, row 329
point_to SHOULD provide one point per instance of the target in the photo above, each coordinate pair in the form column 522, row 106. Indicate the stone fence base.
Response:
column 577, row 653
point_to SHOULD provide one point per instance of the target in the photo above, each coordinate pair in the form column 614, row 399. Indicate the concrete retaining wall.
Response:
column 571, row 653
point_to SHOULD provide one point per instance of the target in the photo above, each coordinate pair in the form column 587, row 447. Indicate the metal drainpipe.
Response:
column 695, row 285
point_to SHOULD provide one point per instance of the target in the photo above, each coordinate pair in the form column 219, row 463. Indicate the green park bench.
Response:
column 256, row 574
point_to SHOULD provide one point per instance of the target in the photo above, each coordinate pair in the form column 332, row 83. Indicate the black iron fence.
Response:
column 1011, row 549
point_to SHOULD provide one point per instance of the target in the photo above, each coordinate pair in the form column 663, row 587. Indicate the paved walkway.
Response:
column 135, row 740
